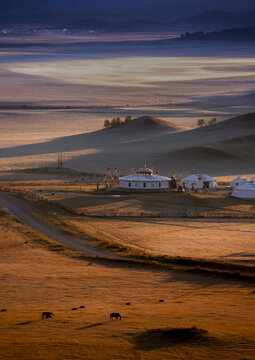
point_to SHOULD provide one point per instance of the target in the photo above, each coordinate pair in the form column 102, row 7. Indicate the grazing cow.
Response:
column 73, row 309
column 128, row 303
column 3, row 310
column 47, row 315
column 115, row 316
column 161, row 300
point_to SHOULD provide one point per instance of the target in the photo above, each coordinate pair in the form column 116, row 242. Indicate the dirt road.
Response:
column 24, row 211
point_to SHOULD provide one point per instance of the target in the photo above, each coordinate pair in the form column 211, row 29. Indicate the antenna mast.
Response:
column 60, row 160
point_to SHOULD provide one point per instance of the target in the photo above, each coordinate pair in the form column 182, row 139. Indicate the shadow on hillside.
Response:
column 173, row 204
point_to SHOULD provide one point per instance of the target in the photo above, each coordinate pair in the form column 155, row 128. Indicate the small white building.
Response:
column 238, row 181
column 245, row 191
column 199, row 181
column 144, row 179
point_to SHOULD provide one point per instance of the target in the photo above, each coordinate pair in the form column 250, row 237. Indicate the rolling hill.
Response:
column 227, row 147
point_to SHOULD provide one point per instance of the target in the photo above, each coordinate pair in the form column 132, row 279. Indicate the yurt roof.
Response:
column 144, row 170
column 144, row 178
column 195, row 177
column 240, row 177
column 192, row 177
column 246, row 186
column 206, row 177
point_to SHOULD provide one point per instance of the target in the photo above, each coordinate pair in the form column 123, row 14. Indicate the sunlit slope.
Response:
column 224, row 148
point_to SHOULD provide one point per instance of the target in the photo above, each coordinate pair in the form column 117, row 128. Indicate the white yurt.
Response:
column 199, row 181
column 244, row 191
column 144, row 179
column 238, row 181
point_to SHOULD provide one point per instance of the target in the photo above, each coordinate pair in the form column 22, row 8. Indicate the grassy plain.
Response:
column 83, row 199
column 35, row 279
column 198, row 225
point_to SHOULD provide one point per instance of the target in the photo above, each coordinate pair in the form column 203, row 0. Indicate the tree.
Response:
column 200, row 122
column 128, row 118
column 212, row 121
column 115, row 122
column 106, row 124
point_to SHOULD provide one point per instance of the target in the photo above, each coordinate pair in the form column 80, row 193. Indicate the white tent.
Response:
column 199, row 181
column 238, row 181
column 144, row 179
column 244, row 191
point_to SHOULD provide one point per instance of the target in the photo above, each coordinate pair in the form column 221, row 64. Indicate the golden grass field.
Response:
column 35, row 279
column 198, row 225
column 187, row 238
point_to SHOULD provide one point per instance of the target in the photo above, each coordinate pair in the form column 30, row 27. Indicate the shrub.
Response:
column 200, row 122
column 212, row 121
column 128, row 118
column 106, row 124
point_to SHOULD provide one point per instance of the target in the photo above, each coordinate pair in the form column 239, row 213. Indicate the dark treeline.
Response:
column 240, row 34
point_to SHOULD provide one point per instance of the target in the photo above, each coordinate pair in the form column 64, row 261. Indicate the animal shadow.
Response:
column 26, row 323
column 90, row 326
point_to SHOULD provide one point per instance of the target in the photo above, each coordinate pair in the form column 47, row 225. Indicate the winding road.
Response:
column 24, row 211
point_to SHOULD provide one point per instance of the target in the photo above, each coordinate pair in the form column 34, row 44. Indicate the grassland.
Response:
column 167, row 204
column 36, row 277
column 197, row 225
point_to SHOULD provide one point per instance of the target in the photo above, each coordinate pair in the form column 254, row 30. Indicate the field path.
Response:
column 24, row 211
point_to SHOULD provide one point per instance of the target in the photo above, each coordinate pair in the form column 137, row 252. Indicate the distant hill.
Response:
column 212, row 20
column 240, row 34
column 124, row 13
column 146, row 123
column 224, row 148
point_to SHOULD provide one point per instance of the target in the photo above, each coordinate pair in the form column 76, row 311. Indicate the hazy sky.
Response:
column 161, row 9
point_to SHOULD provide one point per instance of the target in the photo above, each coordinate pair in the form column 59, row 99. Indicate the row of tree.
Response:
column 116, row 122
column 201, row 122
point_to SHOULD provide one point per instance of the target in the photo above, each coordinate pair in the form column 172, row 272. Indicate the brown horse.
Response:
column 47, row 315
column 115, row 316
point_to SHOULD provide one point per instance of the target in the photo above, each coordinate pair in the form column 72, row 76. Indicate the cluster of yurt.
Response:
column 144, row 179
column 198, row 182
column 245, row 189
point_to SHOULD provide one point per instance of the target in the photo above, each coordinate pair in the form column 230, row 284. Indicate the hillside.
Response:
column 242, row 34
column 224, row 148
column 147, row 123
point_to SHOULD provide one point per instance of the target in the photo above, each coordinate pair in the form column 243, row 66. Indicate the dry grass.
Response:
column 211, row 259
column 168, row 204
column 46, row 188
column 170, row 238
column 34, row 279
